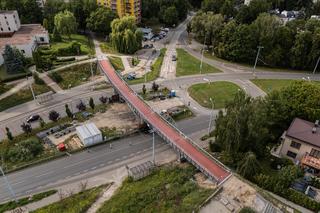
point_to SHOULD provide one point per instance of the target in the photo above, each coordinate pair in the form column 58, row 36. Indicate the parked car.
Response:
column 131, row 76
column 33, row 118
column 174, row 57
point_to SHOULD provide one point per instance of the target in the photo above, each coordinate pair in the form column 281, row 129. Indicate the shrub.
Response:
column 56, row 77
column 72, row 49
column 53, row 115
column 247, row 210
column 37, row 79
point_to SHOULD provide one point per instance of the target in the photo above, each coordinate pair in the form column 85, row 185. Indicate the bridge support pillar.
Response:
column 181, row 158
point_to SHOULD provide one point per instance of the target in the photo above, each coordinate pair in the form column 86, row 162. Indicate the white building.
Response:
column 25, row 37
column 9, row 22
column 89, row 134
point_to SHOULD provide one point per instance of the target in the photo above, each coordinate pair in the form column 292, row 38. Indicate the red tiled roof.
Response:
column 302, row 130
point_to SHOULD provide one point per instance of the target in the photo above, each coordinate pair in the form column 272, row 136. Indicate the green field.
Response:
column 116, row 63
column 167, row 189
column 22, row 96
column 73, row 76
column 87, row 46
column 155, row 70
column 189, row 65
column 220, row 92
column 269, row 85
column 76, row 203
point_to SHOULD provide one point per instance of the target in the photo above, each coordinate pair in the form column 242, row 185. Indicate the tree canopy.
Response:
column 125, row 36
column 100, row 20
column 65, row 23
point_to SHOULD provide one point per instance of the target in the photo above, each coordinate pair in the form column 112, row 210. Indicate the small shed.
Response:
column 89, row 134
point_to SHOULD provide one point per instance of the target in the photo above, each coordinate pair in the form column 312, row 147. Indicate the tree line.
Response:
column 249, row 128
column 293, row 45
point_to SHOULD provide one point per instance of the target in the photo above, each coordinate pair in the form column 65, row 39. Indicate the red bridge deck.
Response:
column 209, row 165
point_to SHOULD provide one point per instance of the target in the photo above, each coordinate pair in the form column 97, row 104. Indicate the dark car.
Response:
column 33, row 118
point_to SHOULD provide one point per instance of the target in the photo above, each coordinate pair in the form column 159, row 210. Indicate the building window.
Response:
column 295, row 145
column 291, row 154
column 315, row 153
column 1, row 29
column 41, row 39
column 9, row 28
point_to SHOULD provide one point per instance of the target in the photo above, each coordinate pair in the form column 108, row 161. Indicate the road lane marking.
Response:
column 16, row 183
column 43, row 174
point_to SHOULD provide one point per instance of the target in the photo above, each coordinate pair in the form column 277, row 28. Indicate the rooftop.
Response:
column 305, row 131
column 23, row 35
column 7, row 11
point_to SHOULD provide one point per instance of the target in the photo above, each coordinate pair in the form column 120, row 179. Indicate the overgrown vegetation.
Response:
column 26, row 200
column 155, row 70
column 189, row 65
column 77, row 203
column 268, row 85
column 167, row 189
column 73, row 76
column 22, row 96
column 116, row 63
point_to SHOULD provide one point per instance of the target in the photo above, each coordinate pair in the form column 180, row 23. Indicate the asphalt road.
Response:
column 57, row 172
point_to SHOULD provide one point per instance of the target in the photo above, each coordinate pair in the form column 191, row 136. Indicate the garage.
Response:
column 89, row 134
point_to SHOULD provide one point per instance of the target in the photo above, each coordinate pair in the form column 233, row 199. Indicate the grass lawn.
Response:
column 26, row 200
column 155, row 70
column 168, row 189
column 73, row 76
column 87, row 46
column 269, row 85
column 106, row 47
column 4, row 76
column 116, row 63
column 189, row 65
column 22, row 96
column 4, row 88
column 80, row 202
column 221, row 92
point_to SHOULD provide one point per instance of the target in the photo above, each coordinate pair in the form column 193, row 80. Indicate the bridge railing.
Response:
column 174, row 127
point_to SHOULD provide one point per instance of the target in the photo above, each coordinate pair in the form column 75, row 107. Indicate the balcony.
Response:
column 311, row 163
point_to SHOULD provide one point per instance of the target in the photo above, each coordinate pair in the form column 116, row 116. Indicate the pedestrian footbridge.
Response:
column 186, row 148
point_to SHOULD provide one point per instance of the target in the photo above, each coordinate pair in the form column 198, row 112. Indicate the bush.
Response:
column 55, row 76
column 72, row 49
column 24, row 151
column 54, row 116
column 214, row 147
column 37, row 79
column 247, row 210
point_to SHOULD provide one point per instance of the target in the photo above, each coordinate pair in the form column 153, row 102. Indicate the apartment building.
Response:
column 25, row 37
column 124, row 7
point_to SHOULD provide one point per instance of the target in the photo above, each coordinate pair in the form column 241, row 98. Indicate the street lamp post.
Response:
column 211, row 116
column 315, row 68
column 153, row 154
column 257, row 57
column 8, row 185
column 204, row 43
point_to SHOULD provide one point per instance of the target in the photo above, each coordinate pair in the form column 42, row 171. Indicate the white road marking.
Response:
column 44, row 174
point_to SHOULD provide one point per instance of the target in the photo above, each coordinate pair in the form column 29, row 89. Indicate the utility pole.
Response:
column 30, row 85
column 315, row 68
column 255, row 63
column 91, row 69
column 8, row 185
column 211, row 116
column 204, row 43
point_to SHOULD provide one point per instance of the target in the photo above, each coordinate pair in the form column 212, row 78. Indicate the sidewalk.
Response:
column 53, row 85
column 17, row 88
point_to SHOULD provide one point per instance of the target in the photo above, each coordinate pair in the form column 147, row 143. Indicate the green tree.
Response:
column 170, row 16
column 212, row 5
column 228, row 9
column 125, row 37
column 37, row 79
column 13, row 60
column 68, row 111
column 54, row 115
column 144, row 89
column 50, row 9
column 65, row 22
column 247, row 14
column 82, row 10
column 37, row 59
column 9, row 134
column 312, row 25
column 26, row 128
column 100, row 20
column 45, row 24
column 32, row 13
column 301, row 50
column 91, row 103
column 249, row 166
column 56, row 35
